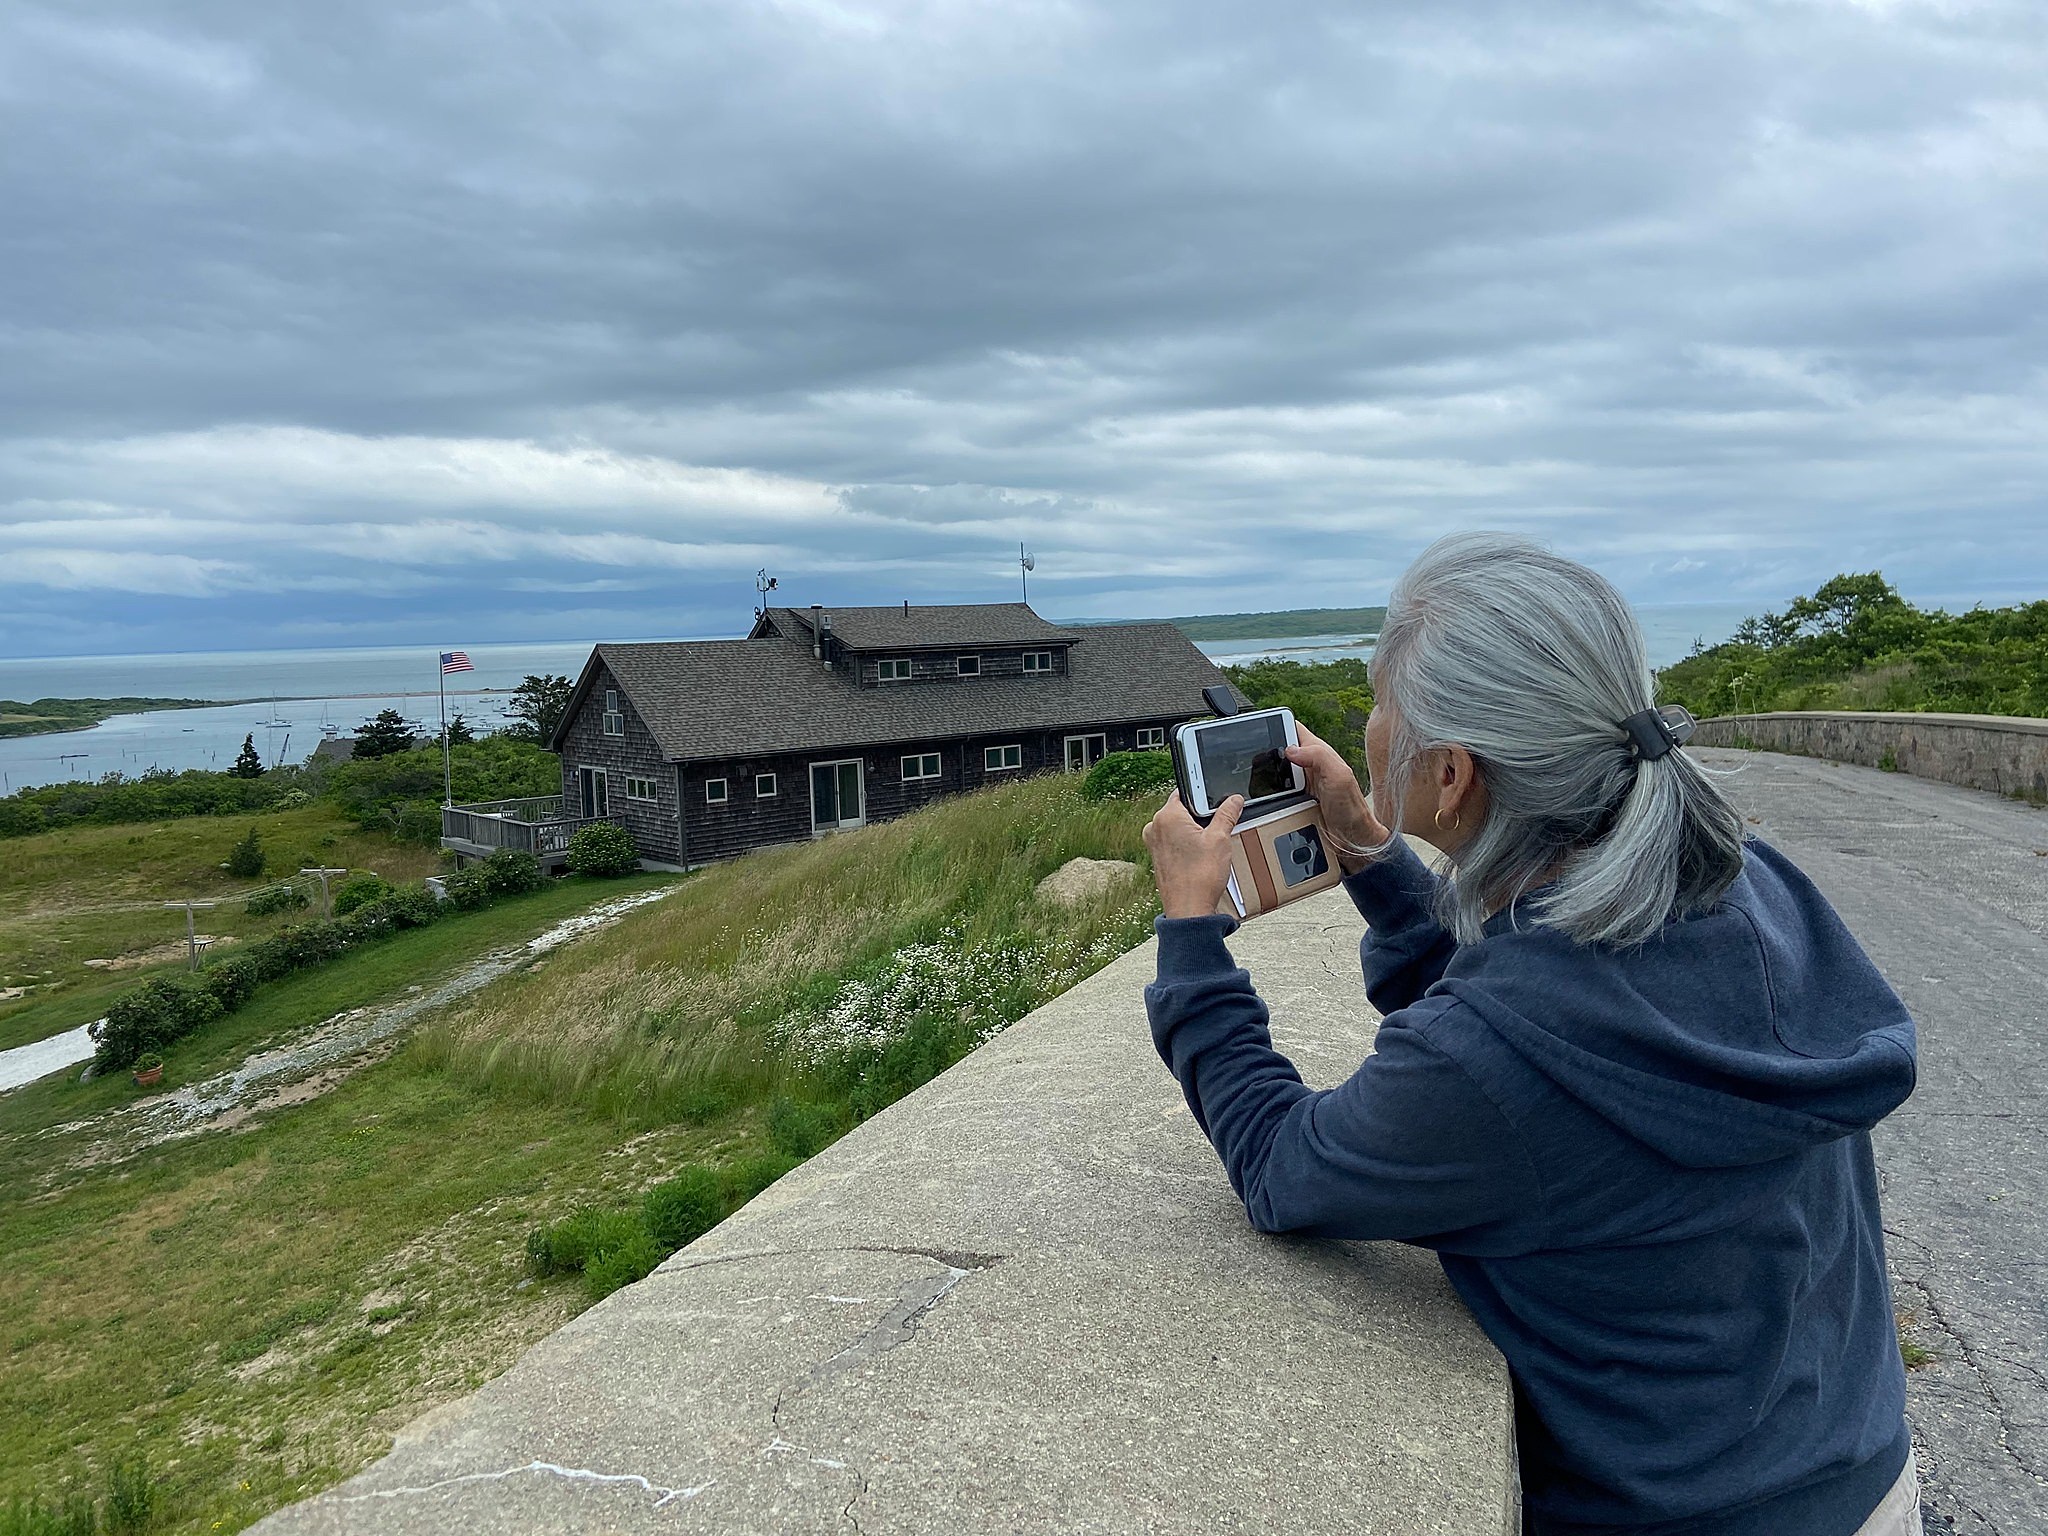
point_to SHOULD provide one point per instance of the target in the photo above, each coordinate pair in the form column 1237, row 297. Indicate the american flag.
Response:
column 455, row 661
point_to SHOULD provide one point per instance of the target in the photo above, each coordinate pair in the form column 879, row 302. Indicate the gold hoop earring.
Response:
column 1457, row 821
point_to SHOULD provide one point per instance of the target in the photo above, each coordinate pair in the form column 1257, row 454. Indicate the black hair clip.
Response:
column 1653, row 732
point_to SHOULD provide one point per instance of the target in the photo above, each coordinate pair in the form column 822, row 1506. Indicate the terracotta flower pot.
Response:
column 149, row 1077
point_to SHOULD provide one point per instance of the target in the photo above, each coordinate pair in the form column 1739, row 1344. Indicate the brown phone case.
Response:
column 1276, row 858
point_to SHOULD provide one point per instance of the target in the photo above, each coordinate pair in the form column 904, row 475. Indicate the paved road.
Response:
column 1948, row 890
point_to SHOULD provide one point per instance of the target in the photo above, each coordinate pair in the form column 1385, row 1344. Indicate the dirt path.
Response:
column 314, row 1060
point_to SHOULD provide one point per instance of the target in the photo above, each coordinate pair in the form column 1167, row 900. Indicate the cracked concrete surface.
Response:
column 1022, row 1299
column 1944, row 888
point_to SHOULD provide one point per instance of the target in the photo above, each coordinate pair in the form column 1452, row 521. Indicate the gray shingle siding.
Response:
column 583, row 744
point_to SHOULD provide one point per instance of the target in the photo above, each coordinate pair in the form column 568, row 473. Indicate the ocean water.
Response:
column 318, row 691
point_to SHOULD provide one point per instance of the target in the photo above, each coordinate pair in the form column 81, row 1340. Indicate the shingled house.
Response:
column 825, row 719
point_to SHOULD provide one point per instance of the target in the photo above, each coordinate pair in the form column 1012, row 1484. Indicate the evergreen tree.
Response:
column 248, row 764
column 383, row 736
column 459, row 733
column 245, row 859
column 536, row 708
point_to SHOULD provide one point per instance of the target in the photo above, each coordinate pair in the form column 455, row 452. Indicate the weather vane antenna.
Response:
column 763, row 585
column 1026, row 564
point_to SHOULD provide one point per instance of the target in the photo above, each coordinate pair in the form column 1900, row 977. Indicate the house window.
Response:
column 714, row 792
column 764, row 786
column 996, row 759
column 895, row 670
column 1038, row 661
column 924, row 765
column 614, row 720
column 1151, row 736
column 638, row 788
column 968, row 666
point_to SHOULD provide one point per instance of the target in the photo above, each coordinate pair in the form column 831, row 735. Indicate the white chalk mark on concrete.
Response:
column 545, row 1468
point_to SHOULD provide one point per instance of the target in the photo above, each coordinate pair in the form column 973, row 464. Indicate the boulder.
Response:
column 1080, row 880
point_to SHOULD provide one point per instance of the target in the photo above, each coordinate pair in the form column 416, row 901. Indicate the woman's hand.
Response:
column 1191, row 862
column 1346, row 812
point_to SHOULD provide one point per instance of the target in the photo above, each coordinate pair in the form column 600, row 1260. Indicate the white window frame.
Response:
column 614, row 717
column 636, row 784
column 1038, row 661
column 723, row 796
column 967, row 666
column 1005, row 750
column 1151, row 736
column 918, row 775
column 893, row 669
column 1085, row 737
column 769, row 792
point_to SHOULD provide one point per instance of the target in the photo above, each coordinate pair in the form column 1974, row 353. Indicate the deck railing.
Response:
column 535, row 824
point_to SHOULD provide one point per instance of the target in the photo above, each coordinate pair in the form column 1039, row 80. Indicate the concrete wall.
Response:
column 2001, row 753
column 1023, row 1299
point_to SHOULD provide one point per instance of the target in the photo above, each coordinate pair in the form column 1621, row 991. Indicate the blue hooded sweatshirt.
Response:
column 1646, row 1170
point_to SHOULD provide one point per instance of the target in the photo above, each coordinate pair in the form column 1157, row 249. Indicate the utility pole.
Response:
column 326, row 901
column 1025, row 565
column 191, row 936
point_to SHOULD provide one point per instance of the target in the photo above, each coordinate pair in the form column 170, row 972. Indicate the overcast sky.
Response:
column 496, row 321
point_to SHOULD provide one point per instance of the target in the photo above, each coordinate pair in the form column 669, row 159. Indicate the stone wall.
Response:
column 2001, row 753
column 1022, row 1299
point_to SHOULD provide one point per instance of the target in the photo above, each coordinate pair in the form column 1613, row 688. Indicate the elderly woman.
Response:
column 1624, row 1083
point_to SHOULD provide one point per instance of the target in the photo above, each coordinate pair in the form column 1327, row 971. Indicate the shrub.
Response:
column 289, row 896
column 160, row 1012
column 633, row 1259
column 359, row 891
column 570, row 1244
column 293, row 799
column 131, row 1496
column 682, row 1209
column 512, row 872
column 245, row 859
column 231, row 983
column 148, row 1061
column 801, row 1130
column 298, row 946
column 417, row 823
column 468, row 888
column 1127, row 775
column 748, row 1176
column 409, row 906
column 603, row 848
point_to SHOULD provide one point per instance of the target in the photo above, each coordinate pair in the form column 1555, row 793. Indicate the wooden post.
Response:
column 191, row 933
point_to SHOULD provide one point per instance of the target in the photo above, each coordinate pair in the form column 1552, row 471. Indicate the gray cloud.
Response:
column 1216, row 307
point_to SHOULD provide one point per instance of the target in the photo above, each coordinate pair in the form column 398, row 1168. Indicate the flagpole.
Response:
column 447, row 775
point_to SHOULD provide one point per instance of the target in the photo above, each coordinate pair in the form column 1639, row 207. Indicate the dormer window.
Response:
column 894, row 670
column 1038, row 661
column 969, row 666
column 614, row 721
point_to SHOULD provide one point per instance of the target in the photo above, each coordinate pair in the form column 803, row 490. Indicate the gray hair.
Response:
column 1530, row 662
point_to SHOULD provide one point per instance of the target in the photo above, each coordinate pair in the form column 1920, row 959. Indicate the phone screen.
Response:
column 1243, row 757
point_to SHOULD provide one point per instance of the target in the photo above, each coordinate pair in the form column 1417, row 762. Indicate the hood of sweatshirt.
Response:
column 1739, row 1035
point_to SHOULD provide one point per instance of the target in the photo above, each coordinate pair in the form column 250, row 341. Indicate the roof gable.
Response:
column 943, row 626
column 764, row 697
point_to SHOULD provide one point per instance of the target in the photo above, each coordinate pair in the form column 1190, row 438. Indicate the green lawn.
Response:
column 94, row 893
column 257, row 1311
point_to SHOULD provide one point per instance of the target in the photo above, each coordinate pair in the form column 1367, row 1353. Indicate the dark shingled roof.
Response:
column 756, row 698
column 942, row 627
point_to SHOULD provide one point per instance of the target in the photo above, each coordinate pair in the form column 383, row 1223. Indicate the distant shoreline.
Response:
column 55, row 717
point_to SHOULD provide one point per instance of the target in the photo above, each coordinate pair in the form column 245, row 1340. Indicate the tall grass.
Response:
column 702, row 1004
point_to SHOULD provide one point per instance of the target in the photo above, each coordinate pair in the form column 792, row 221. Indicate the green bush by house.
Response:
column 1124, row 775
column 603, row 848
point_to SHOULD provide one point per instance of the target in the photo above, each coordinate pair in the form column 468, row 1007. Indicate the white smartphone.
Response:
column 1238, row 755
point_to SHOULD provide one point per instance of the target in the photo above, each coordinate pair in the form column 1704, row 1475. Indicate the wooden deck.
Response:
column 535, row 824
